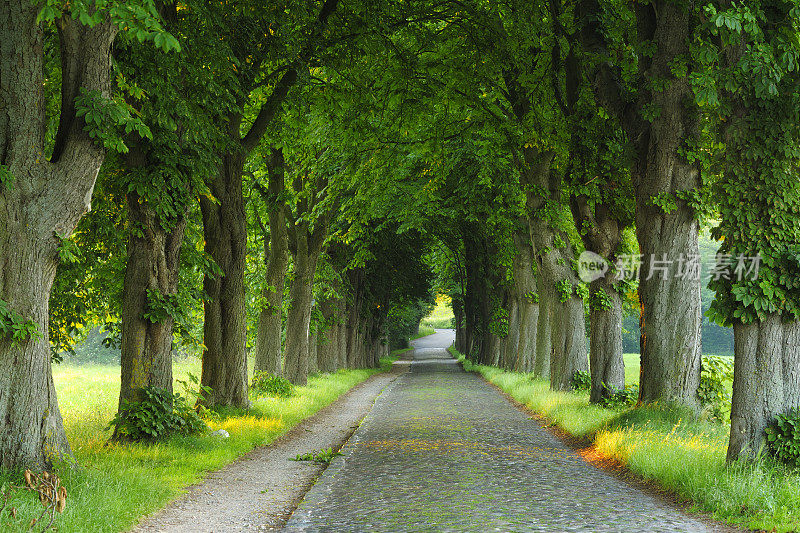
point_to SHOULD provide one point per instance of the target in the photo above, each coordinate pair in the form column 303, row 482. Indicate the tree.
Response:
column 750, row 55
column 276, row 257
column 160, row 179
column 652, row 99
column 42, row 198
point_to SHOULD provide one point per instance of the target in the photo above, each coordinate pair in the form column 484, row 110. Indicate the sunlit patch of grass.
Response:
column 669, row 446
column 442, row 315
column 110, row 486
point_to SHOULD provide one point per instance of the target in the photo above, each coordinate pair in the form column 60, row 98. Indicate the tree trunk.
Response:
column 563, row 325
column 544, row 330
column 527, row 307
column 225, row 327
column 299, row 318
column 43, row 203
column 605, row 339
column 670, row 320
column 328, row 340
column 509, row 348
column 153, row 264
column 341, row 333
column 268, row 342
column 766, row 380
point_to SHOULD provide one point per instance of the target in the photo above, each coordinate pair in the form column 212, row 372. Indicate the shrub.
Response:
column 622, row 397
column 581, row 380
column 712, row 392
column 266, row 384
column 159, row 415
column 783, row 438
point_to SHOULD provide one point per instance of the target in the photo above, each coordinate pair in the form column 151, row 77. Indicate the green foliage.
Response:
column 68, row 250
column 138, row 17
column 665, row 201
column 600, row 300
column 581, row 381
column 318, row 456
column 6, row 178
column 758, row 195
column 14, row 327
column 498, row 323
column 159, row 415
column 621, row 398
column 109, row 120
column 564, row 289
column 582, row 291
column 783, row 438
column 266, row 384
column 715, row 373
column 161, row 307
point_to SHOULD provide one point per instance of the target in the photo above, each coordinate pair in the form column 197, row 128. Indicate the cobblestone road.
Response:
column 442, row 450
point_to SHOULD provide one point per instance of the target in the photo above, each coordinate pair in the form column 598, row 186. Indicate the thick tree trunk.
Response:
column 602, row 234
column 341, row 333
column 544, row 331
column 298, row 320
column 605, row 343
column 153, row 264
column 458, row 318
column 509, row 348
column 328, row 340
column 44, row 202
column 527, row 307
column 268, row 342
column 225, row 326
column 766, row 380
column 670, row 320
column 562, row 325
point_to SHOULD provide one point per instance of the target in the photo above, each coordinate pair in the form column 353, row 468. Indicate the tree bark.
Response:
column 766, row 380
column 306, row 247
column 605, row 343
column 268, row 343
column 153, row 264
column 562, row 326
column 299, row 317
column 44, row 203
column 328, row 340
column 527, row 307
column 225, row 327
column 602, row 234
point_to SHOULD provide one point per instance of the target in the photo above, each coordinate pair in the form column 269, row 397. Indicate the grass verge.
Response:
column 424, row 331
column 111, row 486
column 667, row 446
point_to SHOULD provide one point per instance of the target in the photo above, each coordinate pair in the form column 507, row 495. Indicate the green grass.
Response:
column 112, row 485
column 668, row 446
column 442, row 315
column 424, row 331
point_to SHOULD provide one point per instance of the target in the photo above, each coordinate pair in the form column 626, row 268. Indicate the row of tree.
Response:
column 300, row 158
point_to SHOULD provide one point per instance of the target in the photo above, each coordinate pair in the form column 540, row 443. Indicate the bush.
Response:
column 783, row 438
column 266, row 384
column 713, row 395
column 581, row 380
column 160, row 414
column 621, row 398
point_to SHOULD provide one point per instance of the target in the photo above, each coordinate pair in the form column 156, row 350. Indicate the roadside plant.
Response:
column 159, row 415
column 581, row 381
column 783, row 438
column 266, row 384
column 713, row 396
